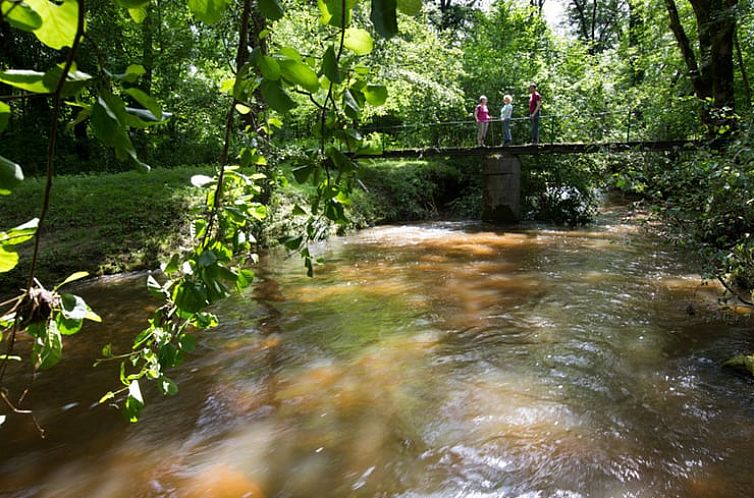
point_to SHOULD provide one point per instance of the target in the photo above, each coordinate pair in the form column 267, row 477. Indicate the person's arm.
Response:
column 539, row 105
column 476, row 114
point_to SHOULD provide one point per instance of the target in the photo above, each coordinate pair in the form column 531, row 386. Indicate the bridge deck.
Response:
column 551, row 148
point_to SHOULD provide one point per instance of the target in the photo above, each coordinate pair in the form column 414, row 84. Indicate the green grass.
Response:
column 104, row 223
column 111, row 223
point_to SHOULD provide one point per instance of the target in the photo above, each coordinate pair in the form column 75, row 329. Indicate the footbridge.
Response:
column 586, row 134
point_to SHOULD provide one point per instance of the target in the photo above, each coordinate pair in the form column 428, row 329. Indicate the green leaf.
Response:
column 383, row 17
column 48, row 348
column 190, row 297
column 138, row 14
column 59, row 22
column 132, row 4
column 267, row 65
column 148, row 102
column 410, row 7
column 108, row 124
column 19, row 234
column 75, row 80
column 167, row 386
column 245, row 278
column 376, row 95
column 132, row 73
column 298, row 73
column 107, row 396
column 10, row 175
column 107, row 350
column 134, row 402
column 68, row 326
column 4, row 115
column 330, row 65
column 25, row 79
column 271, row 9
column 8, row 259
column 20, row 15
column 72, row 278
column 73, row 307
column 331, row 12
column 358, row 41
column 154, row 287
column 276, row 97
column 208, row 11
column 187, row 342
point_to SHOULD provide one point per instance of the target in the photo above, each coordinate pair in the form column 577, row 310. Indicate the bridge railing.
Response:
column 593, row 128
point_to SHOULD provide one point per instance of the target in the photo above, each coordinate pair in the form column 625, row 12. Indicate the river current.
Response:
column 442, row 360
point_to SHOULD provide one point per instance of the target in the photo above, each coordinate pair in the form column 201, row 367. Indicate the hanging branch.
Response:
column 51, row 142
column 242, row 55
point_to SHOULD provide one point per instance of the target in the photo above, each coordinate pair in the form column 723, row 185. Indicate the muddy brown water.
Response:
column 432, row 360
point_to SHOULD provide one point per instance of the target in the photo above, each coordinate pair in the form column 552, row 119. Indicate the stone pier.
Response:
column 501, row 194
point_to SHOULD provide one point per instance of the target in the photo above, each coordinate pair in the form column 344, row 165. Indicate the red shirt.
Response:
column 534, row 99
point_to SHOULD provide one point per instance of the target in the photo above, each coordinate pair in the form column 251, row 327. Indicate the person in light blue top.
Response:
column 505, row 115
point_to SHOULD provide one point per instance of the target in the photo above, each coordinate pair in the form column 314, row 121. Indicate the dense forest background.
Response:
column 296, row 91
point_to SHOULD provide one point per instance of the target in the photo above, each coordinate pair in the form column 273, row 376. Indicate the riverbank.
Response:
column 111, row 223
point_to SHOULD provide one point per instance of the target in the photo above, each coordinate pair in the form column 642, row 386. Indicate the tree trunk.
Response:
column 147, row 57
column 713, row 77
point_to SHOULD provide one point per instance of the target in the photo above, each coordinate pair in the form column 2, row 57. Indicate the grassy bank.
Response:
column 104, row 223
column 110, row 223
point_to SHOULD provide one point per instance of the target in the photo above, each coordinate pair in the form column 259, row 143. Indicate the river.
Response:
column 443, row 360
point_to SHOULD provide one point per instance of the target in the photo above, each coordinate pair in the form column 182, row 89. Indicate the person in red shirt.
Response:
column 535, row 105
column 482, row 118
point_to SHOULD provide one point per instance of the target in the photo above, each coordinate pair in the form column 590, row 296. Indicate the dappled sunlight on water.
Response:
column 448, row 360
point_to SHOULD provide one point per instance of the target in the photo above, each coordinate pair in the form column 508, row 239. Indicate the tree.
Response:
column 598, row 23
column 710, row 68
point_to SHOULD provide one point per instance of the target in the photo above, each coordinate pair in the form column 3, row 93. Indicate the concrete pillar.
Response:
column 501, row 194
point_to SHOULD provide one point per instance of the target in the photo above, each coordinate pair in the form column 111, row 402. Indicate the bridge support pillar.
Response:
column 501, row 194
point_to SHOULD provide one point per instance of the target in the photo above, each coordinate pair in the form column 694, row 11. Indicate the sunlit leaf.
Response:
column 271, row 9
column 8, row 259
column 201, row 180
column 25, row 79
column 73, row 307
column 298, row 73
column 358, row 40
column 72, row 278
column 138, row 14
column 267, row 66
column 10, row 175
column 376, row 95
column 68, row 326
column 383, row 17
column 20, row 15
column 60, row 20
column 208, row 11
column 132, row 73
column 19, row 234
column 134, row 402
column 4, row 115
column 331, row 12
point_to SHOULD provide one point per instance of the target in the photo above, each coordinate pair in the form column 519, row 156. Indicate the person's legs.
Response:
column 506, row 132
column 535, row 129
column 480, row 132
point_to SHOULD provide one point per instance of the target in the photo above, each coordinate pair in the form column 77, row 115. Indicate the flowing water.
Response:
column 434, row 360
